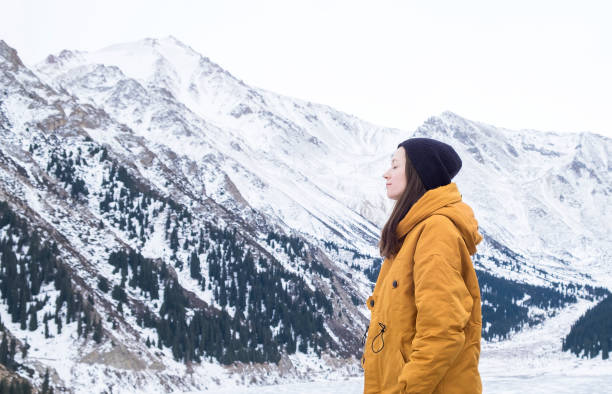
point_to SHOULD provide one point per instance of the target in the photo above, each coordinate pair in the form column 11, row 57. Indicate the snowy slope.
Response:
column 546, row 196
column 288, row 158
column 47, row 134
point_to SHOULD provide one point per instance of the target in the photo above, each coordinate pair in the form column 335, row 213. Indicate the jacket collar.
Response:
column 429, row 202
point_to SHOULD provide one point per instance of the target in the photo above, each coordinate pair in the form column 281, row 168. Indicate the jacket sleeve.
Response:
column 443, row 307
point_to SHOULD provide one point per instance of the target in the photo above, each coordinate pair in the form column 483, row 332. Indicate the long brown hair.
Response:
column 389, row 244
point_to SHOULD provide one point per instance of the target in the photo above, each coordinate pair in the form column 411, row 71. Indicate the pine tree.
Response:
column 4, row 349
column 22, row 314
column 24, row 349
column 194, row 265
column 174, row 242
column 33, row 324
column 103, row 284
column 58, row 322
column 79, row 326
column 233, row 295
column 45, row 385
column 11, row 355
column 98, row 332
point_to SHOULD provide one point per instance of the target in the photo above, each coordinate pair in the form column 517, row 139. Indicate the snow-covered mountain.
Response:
column 151, row 150
column 316, row 168
column 546, row 196
column 301, row 162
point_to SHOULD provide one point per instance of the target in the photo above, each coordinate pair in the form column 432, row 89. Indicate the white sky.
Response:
column 535, row 64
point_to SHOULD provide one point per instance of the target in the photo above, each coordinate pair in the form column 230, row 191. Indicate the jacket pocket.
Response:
column 392, row 367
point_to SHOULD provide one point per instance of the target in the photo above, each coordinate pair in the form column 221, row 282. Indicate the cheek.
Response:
column 399, row 177
column 400, row 181
column 402, row 178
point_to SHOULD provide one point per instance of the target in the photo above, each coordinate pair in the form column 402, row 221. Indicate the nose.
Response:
column 386, row 174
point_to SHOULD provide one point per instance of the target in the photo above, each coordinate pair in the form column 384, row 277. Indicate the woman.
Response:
column 424, row 334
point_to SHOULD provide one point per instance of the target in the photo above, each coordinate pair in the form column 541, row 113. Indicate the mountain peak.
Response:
column 156, row 41
column 450, row 115
column 159, row 45
column 8, row 54
column 172, row 39
column 62, row 57
column 142, row 53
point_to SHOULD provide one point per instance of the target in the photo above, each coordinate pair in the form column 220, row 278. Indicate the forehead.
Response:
column 398, row 155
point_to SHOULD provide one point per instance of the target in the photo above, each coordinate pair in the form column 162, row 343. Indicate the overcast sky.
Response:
column 518, row 64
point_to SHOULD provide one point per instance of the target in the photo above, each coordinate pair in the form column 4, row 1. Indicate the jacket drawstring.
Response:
column 382, row 331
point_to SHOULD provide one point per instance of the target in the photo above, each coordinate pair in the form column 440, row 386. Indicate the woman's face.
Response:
column 395, row 176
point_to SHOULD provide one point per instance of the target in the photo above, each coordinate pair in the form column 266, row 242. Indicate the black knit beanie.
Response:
column 435, row 162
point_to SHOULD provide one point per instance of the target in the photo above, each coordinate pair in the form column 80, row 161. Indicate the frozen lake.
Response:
column 544, row 384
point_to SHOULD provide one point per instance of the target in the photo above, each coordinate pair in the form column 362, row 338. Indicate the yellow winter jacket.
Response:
column 424, row 334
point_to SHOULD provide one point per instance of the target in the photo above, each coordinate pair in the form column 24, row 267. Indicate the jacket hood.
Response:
column 446, row 201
